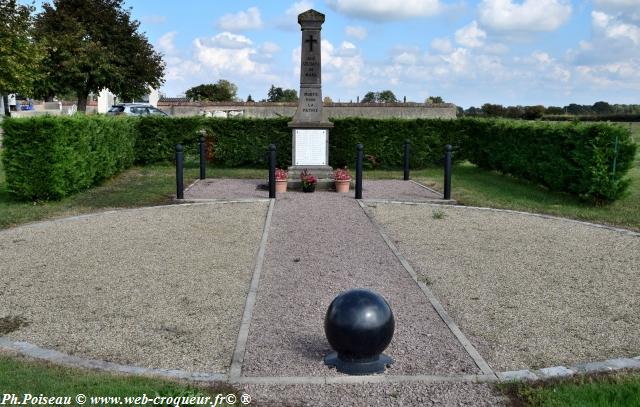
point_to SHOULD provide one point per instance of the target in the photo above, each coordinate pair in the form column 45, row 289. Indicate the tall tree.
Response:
column 19, row 56
column 221, row 91
column 277, row 94
column 386, row 96
column 434, row 99
column 94, row 44
column 491, row 110
column 370, row 97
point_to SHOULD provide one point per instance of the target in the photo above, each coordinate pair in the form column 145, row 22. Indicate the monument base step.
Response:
column 318, row 171
column 324, row 184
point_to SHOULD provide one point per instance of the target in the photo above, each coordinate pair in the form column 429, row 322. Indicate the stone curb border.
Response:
column 243, row 333
column 608, row 365
column 44, row 223
column 453, row 327
column 481, row 208
column 440, row 194
column 35, row 352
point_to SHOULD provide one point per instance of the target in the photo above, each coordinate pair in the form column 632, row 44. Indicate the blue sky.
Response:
column 550, row 52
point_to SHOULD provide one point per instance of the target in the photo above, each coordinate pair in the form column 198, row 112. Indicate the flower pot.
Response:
column 308, row 188
column 281, row 185
column 342, row 185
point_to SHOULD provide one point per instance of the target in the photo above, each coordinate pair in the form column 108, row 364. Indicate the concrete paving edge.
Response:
column 33, row 351
column 466, row 344
column 243, row 334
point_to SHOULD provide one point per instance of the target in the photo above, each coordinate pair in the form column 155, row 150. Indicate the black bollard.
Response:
column 447, row 172
column 203, row 159
column 272, row 171
column 407, row 142
column 179, row 171
column 359, row 326
column 359, row 157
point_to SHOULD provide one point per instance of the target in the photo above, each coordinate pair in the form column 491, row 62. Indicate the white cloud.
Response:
column 289, row 21
column 387, row 10
column 442, row 45
column 614, row 29
column 241, row 21
column 229, row 41
column 341, row 66
column 530, row 15
column 359, row 33
column 269, row 48
column 471, row 35
column 405, row 58
column 166, row 42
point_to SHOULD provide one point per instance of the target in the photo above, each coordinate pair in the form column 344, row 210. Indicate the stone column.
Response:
column 309, row 125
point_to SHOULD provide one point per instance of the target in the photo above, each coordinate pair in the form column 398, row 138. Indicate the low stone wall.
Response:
column 338, row 110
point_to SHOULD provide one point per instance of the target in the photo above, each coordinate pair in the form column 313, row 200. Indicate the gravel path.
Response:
column 528, row 292
column 249, row 188
column 160, row 287
column 384, row 394
column 226, row 189
column 320, row 245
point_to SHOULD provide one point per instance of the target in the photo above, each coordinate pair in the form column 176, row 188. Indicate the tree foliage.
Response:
column 386, row 96
column 94, row 44
column 19, row 56
column 434, row 99
column 277, row 94
column 221, row 91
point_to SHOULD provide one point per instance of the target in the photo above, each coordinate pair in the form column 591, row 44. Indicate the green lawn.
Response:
column 609, row 390
column 138, row 186
column 19, row 376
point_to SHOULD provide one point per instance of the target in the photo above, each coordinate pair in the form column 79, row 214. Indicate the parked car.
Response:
column 135, row 109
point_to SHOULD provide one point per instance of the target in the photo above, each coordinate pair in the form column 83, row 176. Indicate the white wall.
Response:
column 105, row 100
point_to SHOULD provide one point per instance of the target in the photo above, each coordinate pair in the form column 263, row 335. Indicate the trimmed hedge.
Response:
column 574, row 157
column 51, row 157
column 238, row 142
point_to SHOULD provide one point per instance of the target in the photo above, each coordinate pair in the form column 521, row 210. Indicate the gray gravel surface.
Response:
column 528, row 292
column 217, row 188
column 320, row 245
column 214, row 188
column 381, row 394
column 396, row 190
column 160, row 287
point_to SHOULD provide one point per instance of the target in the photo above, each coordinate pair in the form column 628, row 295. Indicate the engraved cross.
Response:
column 311, row 41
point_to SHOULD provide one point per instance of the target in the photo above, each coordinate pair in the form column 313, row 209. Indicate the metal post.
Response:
column 407, row 142
column 203, row 159
column 179, row 171
column 272, row 171
column 447, row 172
column 359, row 157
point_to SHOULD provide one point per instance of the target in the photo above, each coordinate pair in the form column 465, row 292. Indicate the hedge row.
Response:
column 577, row 158
column 51, row 157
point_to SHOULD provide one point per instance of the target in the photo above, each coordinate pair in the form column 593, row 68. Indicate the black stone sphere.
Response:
column 359, row 325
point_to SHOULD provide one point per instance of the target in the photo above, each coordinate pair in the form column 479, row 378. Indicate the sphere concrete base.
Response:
column 367, row 366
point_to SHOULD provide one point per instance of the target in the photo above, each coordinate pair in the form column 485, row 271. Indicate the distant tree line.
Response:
column 538, row 111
